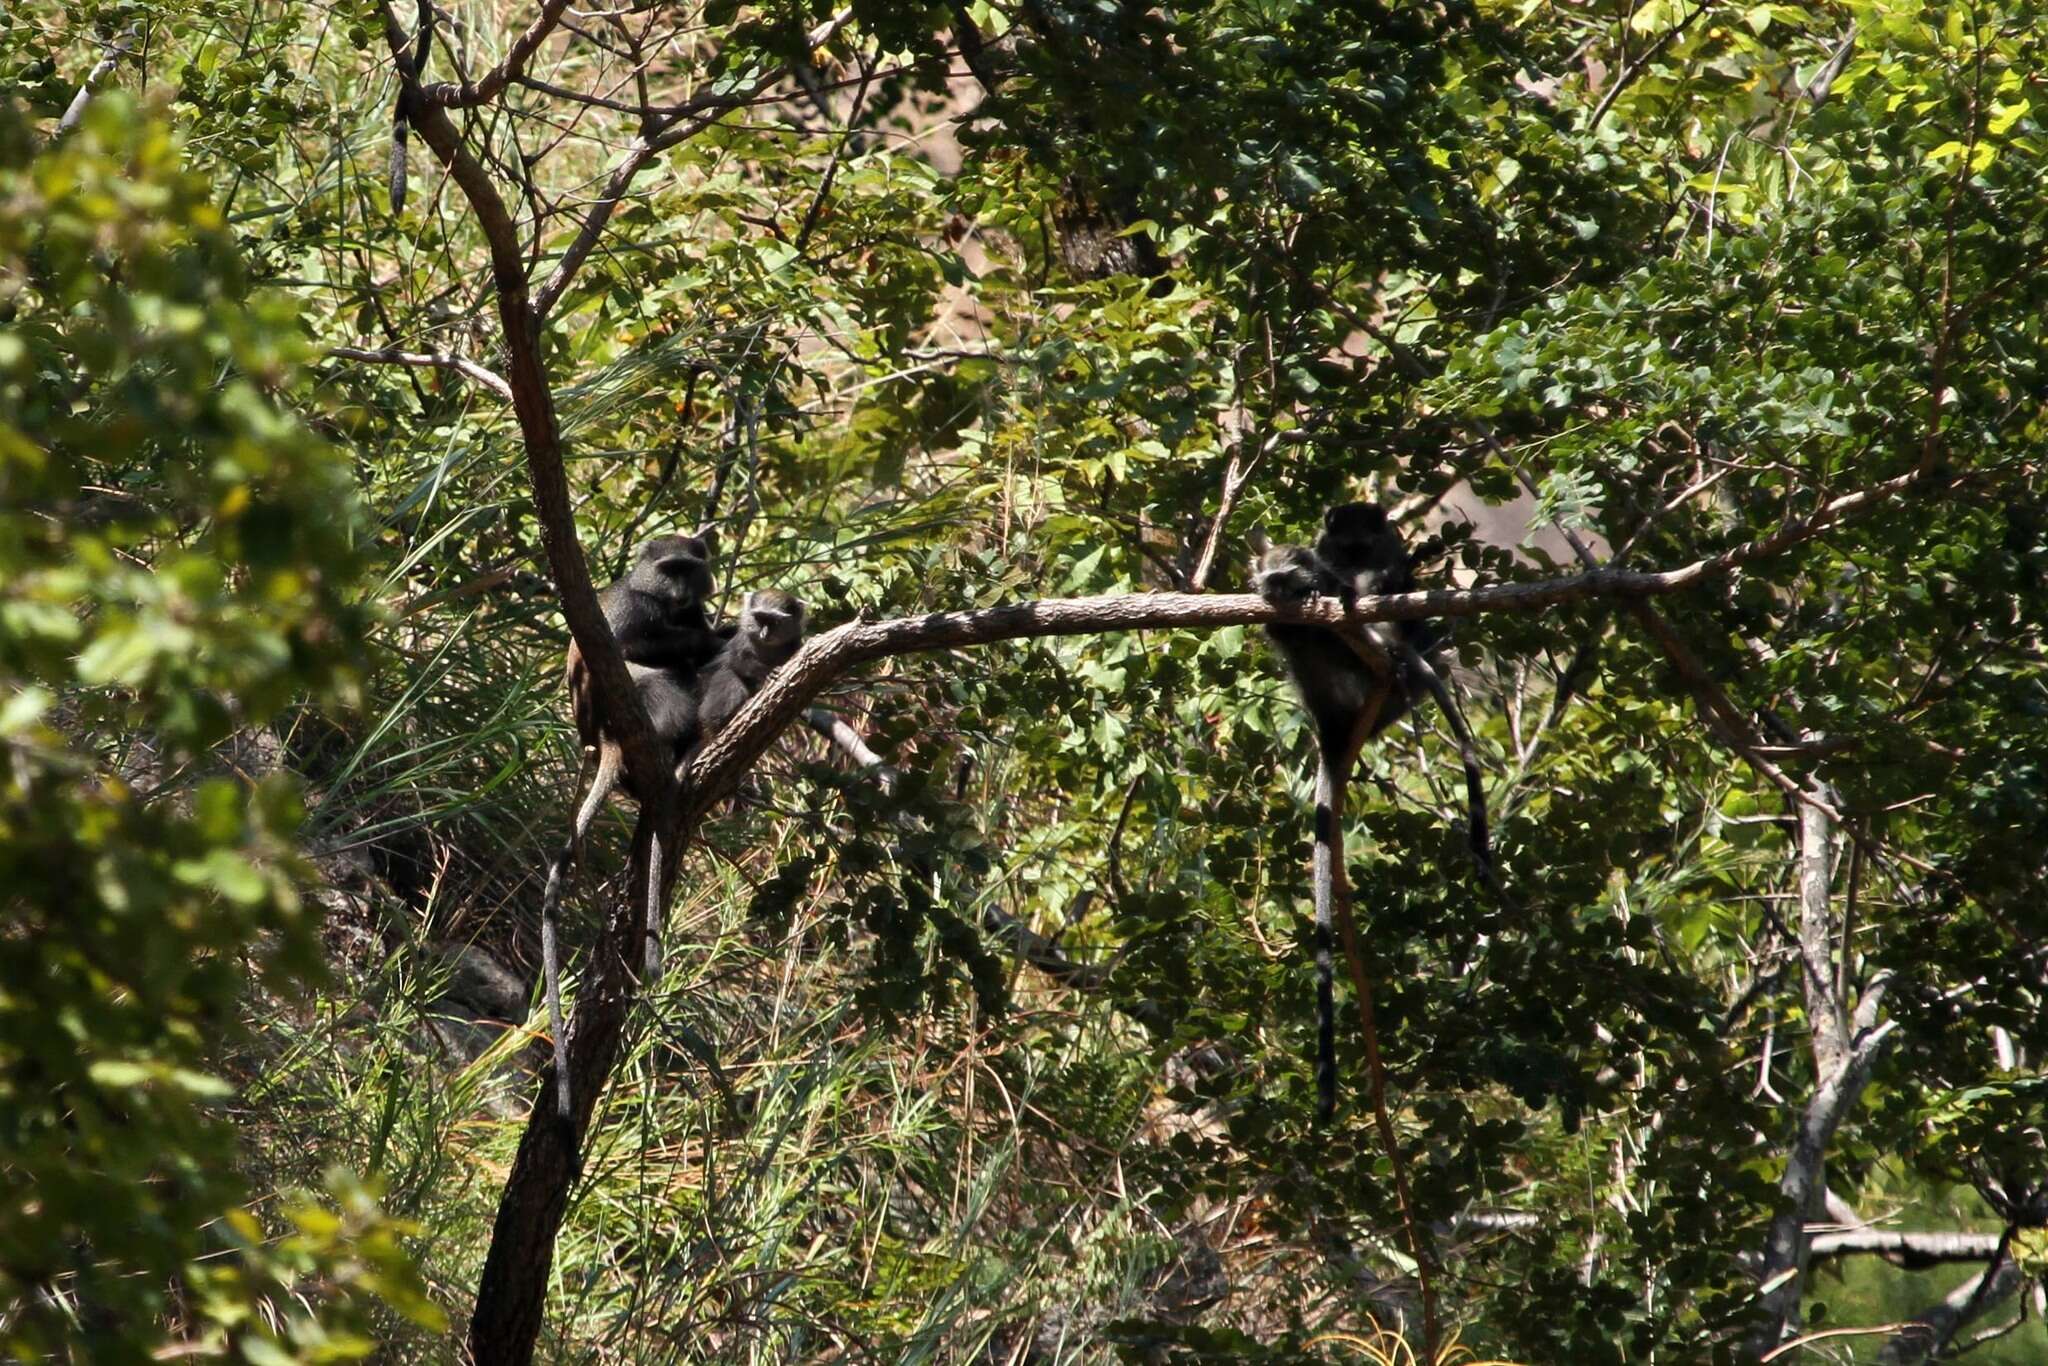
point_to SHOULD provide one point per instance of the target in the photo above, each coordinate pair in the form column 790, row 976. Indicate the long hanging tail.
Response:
column 602, row 782
column 1479, row 837
column 1339, row 890
column 411, row 68
column 398, row 167
column 1327, row 866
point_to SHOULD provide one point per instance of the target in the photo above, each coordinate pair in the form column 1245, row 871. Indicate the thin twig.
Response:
column 860, row 95
column 1641, row 63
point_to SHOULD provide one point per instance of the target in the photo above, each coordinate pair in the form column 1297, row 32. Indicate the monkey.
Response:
column 1354, row 684
column 656, row 613
column 771, row 627
column 1365, row 556
column 1344, row 684
column 410, row 70
column 769, row 630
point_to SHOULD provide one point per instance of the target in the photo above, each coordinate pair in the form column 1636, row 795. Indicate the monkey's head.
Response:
column 675, row 569
column 1355, row 523
column 1357, row 539
column 773, row 620
column 1286, row 575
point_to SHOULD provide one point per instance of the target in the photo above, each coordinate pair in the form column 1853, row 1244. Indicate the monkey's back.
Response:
column 1328, row 676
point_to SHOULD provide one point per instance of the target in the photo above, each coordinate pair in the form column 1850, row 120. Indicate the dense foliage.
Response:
column 180, row 559
column 994, row 1044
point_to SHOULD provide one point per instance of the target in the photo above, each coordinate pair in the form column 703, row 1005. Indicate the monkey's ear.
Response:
column 1259, row 542
column 709, row 535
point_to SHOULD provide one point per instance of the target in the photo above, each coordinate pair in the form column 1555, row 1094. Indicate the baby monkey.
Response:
column 767, row 634
column 771, row 627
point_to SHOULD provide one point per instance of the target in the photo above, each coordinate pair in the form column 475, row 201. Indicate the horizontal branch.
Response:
column 428, row 360
column 1908, row 1249
column 828, row 657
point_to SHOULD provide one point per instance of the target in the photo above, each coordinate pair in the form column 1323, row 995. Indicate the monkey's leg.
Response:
column 661, row 864
column 551, row 973
column 657, row 912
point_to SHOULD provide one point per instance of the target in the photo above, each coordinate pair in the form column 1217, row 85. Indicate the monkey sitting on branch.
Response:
column 656, row 612
column 1354, row 683
column 769, row 631
column 770, row 628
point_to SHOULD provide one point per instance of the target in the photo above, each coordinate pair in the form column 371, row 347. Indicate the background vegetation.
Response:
column 987, row 1036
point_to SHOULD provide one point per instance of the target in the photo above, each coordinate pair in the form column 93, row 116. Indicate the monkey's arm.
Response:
column 675, row 648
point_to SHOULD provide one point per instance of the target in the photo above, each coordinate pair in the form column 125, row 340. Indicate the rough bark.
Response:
column 1845, row 1048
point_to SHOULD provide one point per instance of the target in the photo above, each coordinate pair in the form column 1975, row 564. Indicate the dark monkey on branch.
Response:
column 656, row 612
column 1354, row 683
column 1352, row 690
column 768, row 632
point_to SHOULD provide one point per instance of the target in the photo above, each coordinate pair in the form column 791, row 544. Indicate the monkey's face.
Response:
column 677, row 568
column 1286, row 575
column 774, row 618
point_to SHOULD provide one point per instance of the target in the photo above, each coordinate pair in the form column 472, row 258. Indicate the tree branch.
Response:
column 109, row 58
column 1842, row 1064
column 533, row 403
column 828, row 657
column 1825, row 1015
column 428, row 360
column 1642, row 63
column 509, row 1302
column 1911, row 1250
column 511, row 1293
column 466, row 94
column 1917, row 1340
column 682, row 122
